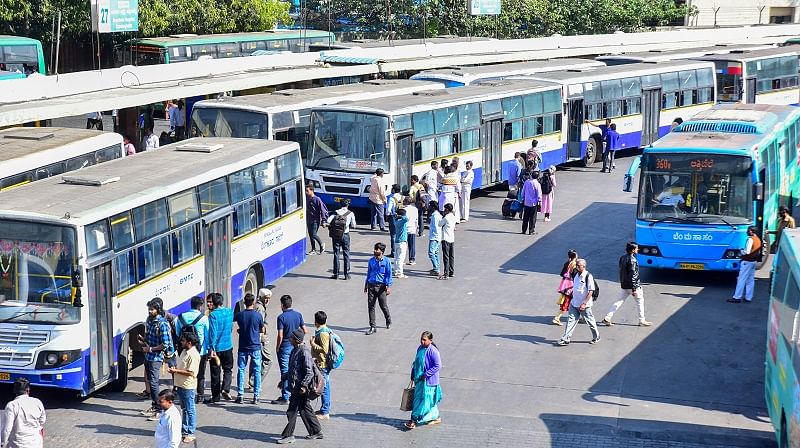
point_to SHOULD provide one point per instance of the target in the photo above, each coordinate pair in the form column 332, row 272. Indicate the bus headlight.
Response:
column 366, row 189
column 731, row 254
column 53, row 359
column 649, row 250
column 316, row 184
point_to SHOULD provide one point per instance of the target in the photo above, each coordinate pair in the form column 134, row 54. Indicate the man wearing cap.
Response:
column 299, row 377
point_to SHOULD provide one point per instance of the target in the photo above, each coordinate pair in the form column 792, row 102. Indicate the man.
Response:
column 467, row 177
column 670, row 197
column 150, row 140
column 299, row 376
column 413, row 215
column 392, row 205
column 156, row 344
column 747, row 268
column 786, row 222
column 339, row 225
column 177, row 120
column 629, row 284
column 251, row 326
column 168, row 430
column 531, row 196
column 23, row 419
column 199, row 321
column 288, row 321
column 611, row 146
column 220, row 344
column 581, row 304
column 186, row 384
column 316, row 215
column 455, row 164
column 264, row 295
column 435, row 236
column 378, row 285
column 534, row 155
column 400, row 242
column 431, row 179
column 320, row 347
column 513, row 171
column 94, row 120
column 377, row 200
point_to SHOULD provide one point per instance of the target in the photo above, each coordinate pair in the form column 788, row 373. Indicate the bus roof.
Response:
column 433, row 99
column 682, row 53
column 296, row 99
column 749, row 55
column 622, row 71
column 17, row 40
column 722, row 142
column 16, row 143
column 740, row 118
column 139, row 183
column 514, row 68
column 195, row 39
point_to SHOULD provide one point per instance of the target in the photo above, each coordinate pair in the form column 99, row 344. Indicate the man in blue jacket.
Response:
column 612, row 145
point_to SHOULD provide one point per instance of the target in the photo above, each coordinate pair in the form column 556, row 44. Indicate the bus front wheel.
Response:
column 591, row 152
column 251, row 282
column 123, row 368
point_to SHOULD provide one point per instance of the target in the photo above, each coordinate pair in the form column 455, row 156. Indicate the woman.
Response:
column 565, row 286
column 427, row 392
column 548, row 176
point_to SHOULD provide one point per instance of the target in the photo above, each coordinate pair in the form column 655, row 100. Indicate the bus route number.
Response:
column 663, row 164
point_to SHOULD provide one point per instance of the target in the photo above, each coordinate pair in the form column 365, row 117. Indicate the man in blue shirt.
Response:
column 531, row 196
column 251, row 325
column 220, row 345
column 156, row 344
column 378, row 285
column 612, row 145
column 199, row 321
column 288, row 321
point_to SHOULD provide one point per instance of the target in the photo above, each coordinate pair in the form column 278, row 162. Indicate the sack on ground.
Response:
column 407, row 400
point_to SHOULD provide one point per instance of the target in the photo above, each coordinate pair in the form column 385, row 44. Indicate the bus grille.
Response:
column 16, row 357
column 22, row 337
column 342, row 180
column 729, row 128
column 343, row 190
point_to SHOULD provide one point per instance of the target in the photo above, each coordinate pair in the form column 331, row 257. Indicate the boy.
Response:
column 186, row 383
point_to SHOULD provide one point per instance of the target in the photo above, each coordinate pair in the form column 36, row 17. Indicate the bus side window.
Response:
column 125, row 266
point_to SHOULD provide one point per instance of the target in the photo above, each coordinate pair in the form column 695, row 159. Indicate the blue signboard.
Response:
column 484, row 7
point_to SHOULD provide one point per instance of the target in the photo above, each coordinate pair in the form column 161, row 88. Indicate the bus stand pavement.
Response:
column 693, row 379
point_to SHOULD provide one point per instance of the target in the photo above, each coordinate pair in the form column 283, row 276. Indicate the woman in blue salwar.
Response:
column 427, row 392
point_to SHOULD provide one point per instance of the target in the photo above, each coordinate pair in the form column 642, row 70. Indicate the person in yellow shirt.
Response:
column 186, row 381
column 320, row 346
column 786, row 222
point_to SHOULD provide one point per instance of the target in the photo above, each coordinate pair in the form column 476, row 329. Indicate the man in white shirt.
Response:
column 431, row 180
column 377, row 200
column 168, row 431
column 341, row 237
column 150, row 140
column 412, row 213
column 670, row 197
column 448, row 224
column 467, row 177
column 581, row 304
column 23, row 419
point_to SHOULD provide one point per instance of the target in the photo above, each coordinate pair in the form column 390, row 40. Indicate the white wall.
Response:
column 738, row 12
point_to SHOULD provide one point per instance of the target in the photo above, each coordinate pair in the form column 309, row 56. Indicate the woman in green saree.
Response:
column 425, row 375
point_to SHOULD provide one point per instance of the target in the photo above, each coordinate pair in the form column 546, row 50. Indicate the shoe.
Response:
column 546, row 219
column 371, row 330
column 323, row 416
column 284, row 440
column 144, row 395
column 279, row 401
column 315, row 436
column 322, row 249
column 608, row 322
column 347, row 277
column 372, row 228
column 732, row 300
column 199, row 399
column 210, row 401
column 255, row 400
column 239, row 400
column 188, row 439
column 155, row 417
column 557, row 322
column 402, row 276
column 563, row 343
column 334, row 277
column 226, row 396
column 748, row 301
column 594, row 341
column 413, row 263
column 644, row 323
column 433, row 272
column 311, row 252
column 148, row 412
column 388, row 325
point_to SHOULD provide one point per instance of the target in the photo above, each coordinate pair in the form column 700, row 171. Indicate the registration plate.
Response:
column 337, row 199
column 692, row 266
column 4, row 376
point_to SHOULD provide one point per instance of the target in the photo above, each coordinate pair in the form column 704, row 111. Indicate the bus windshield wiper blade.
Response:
column 323, row 158
column 714, row 217
column 673, row 219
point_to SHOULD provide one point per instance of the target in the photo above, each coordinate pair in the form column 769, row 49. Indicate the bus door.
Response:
column 750, row 90
column 575, row 128
column 217, row 232
column 100, row 324
column 404, row 146
column 651, row 115
column 492, row 139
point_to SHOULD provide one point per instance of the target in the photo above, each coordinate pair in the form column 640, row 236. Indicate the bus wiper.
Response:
column 323, row 158
column 672, row 219
column 724, row 221
column 25, row 313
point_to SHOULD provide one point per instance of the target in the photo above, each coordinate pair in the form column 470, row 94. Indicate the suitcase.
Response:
column 508, row 208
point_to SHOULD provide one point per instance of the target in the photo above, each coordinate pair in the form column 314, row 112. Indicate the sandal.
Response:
column 143, row 394
column 435, row 422
column 410, row 425
column 557, row 322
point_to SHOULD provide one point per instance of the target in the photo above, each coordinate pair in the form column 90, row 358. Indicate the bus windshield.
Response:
column 348, row 141
column 702, row 188
column 36, row 273
column 212, row 122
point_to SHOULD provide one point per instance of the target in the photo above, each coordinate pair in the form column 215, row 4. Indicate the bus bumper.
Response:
column 724, row 265
column 70, row 376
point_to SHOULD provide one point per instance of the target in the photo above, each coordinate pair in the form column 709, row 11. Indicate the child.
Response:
column 186, row 383
column 565, row 286
column 401, row 241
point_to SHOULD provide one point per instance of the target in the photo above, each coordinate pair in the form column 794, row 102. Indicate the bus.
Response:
column 21, row 55
column 190, row 47
column 673, row 54
column 218, row 215
column 641, row 99
column 711, row 178
column 284, row 114
column 464, row 76
column 402, row 134
column 30, row 154
column 10, row 75
column 781, row 387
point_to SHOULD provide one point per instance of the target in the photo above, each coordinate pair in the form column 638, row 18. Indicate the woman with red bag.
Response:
column 565, row 286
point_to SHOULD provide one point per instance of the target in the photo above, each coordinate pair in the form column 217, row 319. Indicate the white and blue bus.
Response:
column 195, row 217
column 676, row 53
column 468, row 75
column 31, row 154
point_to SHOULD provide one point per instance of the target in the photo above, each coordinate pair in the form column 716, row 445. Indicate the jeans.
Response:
column 255, row 358
column 608, row 160
column 283, row 362
column 448, row 259
column 224, row 370
column 572, row 322
column 201, row 377
column 433, row 254
column 266, row 363
column 376, row 216
column 400, row 257
column 392, row 232
column 746, row 281
column 313, row 227
column 343, row 246
column 152, row 372
column 377, row 292
column 624, row 294
column 301, row 404
column 412, row 247
column 325, row 409
column 529, row 219
column 188, row 411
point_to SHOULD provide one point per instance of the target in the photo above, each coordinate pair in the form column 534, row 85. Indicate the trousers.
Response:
column 376, row 292
column 376, row 216
column 299, row 403
column 433, row 254
column 221, row 374
column 400, row 257
column 313, row 227
column 529, row 219
column 448, row 259
column 746, row 281
column 624, row 294
column 572, row 322
column 341, row 246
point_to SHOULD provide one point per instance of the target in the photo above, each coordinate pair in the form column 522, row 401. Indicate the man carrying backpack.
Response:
column 300, row 377
column 581, row 304
column 320, row 347
column 339, row 225
column 194, row 321
column 629, row 284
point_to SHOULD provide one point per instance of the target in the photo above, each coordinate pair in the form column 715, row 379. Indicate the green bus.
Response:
column 21, row 55
column 190, row 47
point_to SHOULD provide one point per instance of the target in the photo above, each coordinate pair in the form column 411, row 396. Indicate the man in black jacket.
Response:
column 629, row 284
column 300, row 375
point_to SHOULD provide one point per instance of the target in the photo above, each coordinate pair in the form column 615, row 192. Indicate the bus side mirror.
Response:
column 758, row 191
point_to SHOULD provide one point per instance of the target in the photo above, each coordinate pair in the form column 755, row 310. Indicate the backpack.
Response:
column 317, row 382
column 189, row 328
column 337, row 227
column 335, row 355
column 596, row 292
column 547, row 185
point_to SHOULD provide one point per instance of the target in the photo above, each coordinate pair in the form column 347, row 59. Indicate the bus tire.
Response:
column 123, row 367
column 591, row 152
column 765, row 245
column 251, row 283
